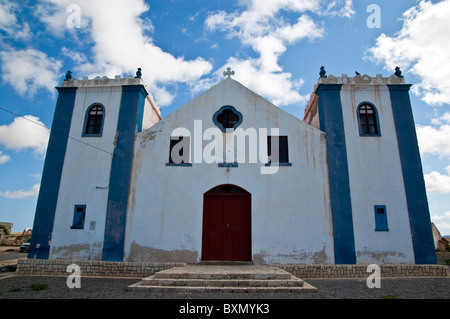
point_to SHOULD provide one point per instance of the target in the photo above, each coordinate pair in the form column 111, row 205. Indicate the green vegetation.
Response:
column 39, row 287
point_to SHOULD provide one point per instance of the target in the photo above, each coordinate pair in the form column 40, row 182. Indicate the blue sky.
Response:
column 276, row 48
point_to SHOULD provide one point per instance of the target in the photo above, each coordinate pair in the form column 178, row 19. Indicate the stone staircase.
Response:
column 223, row 278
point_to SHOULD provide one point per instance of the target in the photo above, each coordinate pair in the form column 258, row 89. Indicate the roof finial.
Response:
column 398, row 72
column 322, row 72
column 68, row 76
column 138, row 73
column 228, row 73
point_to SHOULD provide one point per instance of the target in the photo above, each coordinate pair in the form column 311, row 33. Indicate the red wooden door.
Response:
column 227, row 224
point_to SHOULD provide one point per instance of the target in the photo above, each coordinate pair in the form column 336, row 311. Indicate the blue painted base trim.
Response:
column 278, row 164
column 180, row 164
column 51, row 175
column 332, row 123
column 228, row 164
column 416, row 197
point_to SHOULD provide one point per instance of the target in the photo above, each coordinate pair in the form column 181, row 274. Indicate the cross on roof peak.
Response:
column 228, row 73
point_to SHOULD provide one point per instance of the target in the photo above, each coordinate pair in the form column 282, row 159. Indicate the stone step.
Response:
column 223, row 278
column 223, row 272
column 292, row 282
column 306, row 288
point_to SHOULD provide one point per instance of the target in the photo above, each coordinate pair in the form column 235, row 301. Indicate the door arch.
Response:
column 226, row 224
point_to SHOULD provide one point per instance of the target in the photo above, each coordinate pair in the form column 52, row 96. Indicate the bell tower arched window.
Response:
column 368, row 120
column 93, row 125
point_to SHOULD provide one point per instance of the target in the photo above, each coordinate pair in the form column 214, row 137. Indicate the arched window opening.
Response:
column 94, row 121
column 368, row 121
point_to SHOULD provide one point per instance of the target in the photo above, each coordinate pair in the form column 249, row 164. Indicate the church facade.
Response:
column 232, row 177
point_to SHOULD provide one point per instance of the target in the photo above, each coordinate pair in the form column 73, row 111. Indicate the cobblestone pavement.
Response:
column 19, row 287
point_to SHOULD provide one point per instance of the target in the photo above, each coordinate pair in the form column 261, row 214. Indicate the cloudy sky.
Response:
column 275, row 47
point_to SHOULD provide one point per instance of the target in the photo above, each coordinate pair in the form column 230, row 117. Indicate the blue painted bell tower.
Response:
column 377, row 189
column 87, row 170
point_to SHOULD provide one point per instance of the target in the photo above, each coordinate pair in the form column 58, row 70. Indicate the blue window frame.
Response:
column 227, row 118
column 368, row 120
column 381, row 223
column 93, row 122
column 78, row 217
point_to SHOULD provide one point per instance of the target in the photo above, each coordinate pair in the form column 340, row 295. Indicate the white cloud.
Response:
column 77, row 57
column 21, row 194
column 278, row 87
column 262, row 27
column 437, row 183
column 445, row 215
column 4, row 158
column 442, row 120
column 342, row 8
column 434, row 140
column 7, row 16
column 9, row 23
column 261, row 22
column 56, row 14
column 122, row 43
column 30, row 70
column 261, row 8
column 421, row 47
column 23, row 134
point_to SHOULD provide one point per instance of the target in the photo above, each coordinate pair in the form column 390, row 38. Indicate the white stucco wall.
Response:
column 291, row 219
column 376, row 179
column 152, row 113
column 85, row 178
